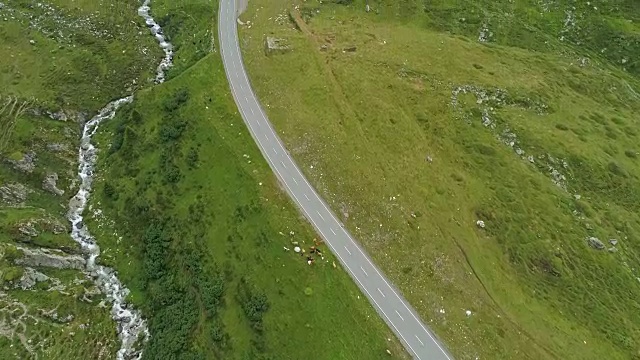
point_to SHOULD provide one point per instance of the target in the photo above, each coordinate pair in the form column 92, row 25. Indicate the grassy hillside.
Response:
column 61, row 61
column 418, row 119
column 204, row 236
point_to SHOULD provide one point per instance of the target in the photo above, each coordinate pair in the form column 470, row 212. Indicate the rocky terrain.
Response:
column 55, row 302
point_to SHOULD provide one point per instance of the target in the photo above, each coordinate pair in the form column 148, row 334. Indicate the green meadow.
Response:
column 418, row 119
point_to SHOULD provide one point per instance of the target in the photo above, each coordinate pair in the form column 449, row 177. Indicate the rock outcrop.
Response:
column 50, row 258
column 595, row 243
column 14, row 194
column 27, row 164
column 50, row 184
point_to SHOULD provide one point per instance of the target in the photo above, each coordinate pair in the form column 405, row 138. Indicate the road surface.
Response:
column 392, row 307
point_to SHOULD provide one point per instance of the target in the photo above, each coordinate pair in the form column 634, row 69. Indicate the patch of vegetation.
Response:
column 529, row 107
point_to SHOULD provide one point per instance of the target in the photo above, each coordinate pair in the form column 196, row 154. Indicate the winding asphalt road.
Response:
column 419, row 341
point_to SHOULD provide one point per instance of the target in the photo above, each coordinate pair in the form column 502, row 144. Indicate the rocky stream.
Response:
column 132, row 328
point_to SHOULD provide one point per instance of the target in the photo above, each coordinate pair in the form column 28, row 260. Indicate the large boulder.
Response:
column 50, row 184
column 595, row 243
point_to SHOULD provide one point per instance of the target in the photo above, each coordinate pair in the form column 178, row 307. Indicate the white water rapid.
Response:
column 131, row 326
column 156, row 31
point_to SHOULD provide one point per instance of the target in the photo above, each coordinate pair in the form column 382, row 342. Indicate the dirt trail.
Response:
column 337, row 92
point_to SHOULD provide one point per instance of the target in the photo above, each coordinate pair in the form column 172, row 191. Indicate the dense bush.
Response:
column 110, row 191
column 155, row 251
column 171, row 130
column 254, row 303
column 192, row 158
column 178, row 99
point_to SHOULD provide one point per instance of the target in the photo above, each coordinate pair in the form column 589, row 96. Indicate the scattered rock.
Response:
column 582, row 62
column 53, row 315
column 57, row 147
column 50, row 258
column 296, row 249
column 595, row 243
column 32, row 42
column 30, row 277
column 344, row 209
column 480, row 224
column 28, row 229
column 613, row 242
column 468, row 312
column 58, row 115
column 14, row 194
column 27, row 164
column 351, row 48
column 90, row 293
column 63, row 115
column 612, row 249
column 275, row 46
column 49, row 184
column 485, row 35
column 56, row 228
